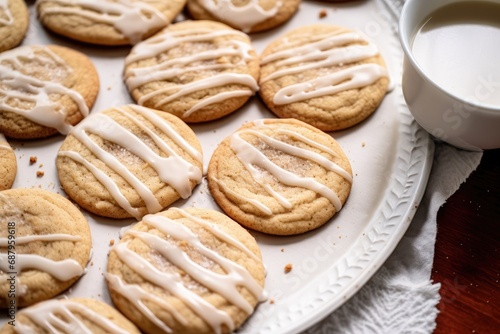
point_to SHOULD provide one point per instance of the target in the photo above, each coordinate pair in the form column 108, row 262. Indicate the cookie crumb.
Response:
column 40, row 173
column 33, row 160
column 271, row 301
column 111, row 242
column 282, row 250
column 288, row 268
column 322, row 13
column 363, row 144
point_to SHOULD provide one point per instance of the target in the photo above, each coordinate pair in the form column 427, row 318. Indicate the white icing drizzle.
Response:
column 169, row 39
column 63, row 270
column 58, row 316
column 172, row 170
column 309, row 142
column 250, row 156
column 214, row 229
column 301, row 153
column 352, row 77
column 106, row 181
column 136, row 295
column 163, row 126
column 336, row 56
column 17, row 85
column 242, row 17
column 177, row 67
column 173, row 284
column 319, row 48
column 325, row 51
column 259, row 205
column 214, row 81
column 223, row 284
column 133, row 19
column 21, row 240
column 4, row 7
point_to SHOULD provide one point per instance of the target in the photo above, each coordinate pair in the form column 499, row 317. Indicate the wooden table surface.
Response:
column 467, row 256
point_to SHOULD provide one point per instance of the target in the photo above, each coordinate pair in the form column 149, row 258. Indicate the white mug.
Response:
column 461, row 121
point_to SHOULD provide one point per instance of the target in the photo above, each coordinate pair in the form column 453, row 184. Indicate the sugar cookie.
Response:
column 280, row 176
column 14, row 21
column 107, row 22
column 246, row 15
column 129, row 161
column 45, row 245
column 196, row 70
column 186, row 271
column 324, row 75
column 75, row 315
column 44, row 90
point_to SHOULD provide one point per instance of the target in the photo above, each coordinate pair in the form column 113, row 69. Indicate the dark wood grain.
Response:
column 467, row 257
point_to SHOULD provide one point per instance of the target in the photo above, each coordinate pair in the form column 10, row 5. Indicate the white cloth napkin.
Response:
column 400, row 297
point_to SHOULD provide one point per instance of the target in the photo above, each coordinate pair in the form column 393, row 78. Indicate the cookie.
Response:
column 327, row 76
column 45, row 245
column 107, row 22
column 196, row 70
column 129, row 161
column 186, row 271
column 247, row 15
column 44, row 90
column 8, row 164
column 14, row 21
column 75, row 315
column 279, row 176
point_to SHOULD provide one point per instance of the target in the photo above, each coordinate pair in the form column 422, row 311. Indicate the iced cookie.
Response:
column 280, row 176
column 246, row 15
column 45, row 245
column 129, row 161
column 107, row 22
column 44, row 90
column 327, row 76
column 196, row 70
column 186, row 271
column 8, row 164
column 14, row 21
column 75, row 315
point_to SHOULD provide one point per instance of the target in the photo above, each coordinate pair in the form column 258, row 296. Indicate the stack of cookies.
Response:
column 176, row 270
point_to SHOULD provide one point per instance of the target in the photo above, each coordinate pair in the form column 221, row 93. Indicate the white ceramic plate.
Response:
column 390, row 156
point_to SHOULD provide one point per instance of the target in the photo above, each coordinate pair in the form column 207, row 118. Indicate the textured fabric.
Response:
column 400, row 298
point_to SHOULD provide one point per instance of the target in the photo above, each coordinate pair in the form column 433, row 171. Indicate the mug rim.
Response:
column 405, row 36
